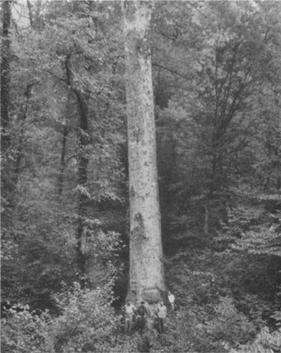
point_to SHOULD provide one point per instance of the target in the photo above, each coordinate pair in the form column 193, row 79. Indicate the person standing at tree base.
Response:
column 162, row 314
column 129, row 315
column 142, row 314
column 171, row 299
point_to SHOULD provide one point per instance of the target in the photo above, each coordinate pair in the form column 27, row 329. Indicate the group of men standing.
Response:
column 147, row 316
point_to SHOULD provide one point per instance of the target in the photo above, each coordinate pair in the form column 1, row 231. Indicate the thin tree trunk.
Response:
column 62, row 160
column 6, row 185
column 30, row 13
column 21, row 121
column 34, row 14
column 146, row 259
column 5, row 73
column 83, row 162
column 206, row 219
column 65, row 127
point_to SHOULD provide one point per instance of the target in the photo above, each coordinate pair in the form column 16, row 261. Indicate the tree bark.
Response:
column 62, row 160
column 206, row 219
column 30, row 13
column 5, row 73
column 6, row 185
column 83, row 161
column 20, row 143
column 34, row 14
column 65, row 129
column 146, row 255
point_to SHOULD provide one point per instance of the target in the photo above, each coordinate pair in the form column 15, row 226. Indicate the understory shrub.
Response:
column 265, row 342
column 23, row 331
column 87, row 324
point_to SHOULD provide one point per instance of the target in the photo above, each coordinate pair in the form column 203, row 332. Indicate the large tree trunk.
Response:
column 146, row 259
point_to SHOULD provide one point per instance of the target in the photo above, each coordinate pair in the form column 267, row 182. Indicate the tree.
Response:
column 5, row 70
column 146, row 266
column 5, row 97
column 215, row 60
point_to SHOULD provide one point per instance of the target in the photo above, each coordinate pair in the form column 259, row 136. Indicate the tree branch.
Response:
column 172, row 71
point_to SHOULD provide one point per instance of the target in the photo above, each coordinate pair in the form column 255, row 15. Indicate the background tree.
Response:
column 5, row 97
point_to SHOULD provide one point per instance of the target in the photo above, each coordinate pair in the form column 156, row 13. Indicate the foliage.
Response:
column 86, row 323
column 44, row 104
column 266, row 342
column 211, row 57
column 24, row 331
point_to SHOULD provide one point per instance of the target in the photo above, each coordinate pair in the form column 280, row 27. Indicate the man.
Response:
column 141, row 316
column 129, row 314
column 171, row 299
column 162, row 314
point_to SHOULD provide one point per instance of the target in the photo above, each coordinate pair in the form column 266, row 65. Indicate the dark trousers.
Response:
column 160, row 325
column 141, row 323
column 128, row 324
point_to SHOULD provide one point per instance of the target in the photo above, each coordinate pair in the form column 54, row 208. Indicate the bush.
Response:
column 265, row 342
column 87, row 324
column 229, row 325
column 26, row 332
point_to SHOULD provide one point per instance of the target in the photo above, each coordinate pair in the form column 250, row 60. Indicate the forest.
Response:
column 140, row 158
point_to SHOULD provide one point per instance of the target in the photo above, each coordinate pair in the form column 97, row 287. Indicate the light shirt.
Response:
column 162, row 311
column 171, row 298
column 129, row 309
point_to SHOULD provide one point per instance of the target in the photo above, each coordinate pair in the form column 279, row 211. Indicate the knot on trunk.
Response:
column 151, row 295
column 138, row 230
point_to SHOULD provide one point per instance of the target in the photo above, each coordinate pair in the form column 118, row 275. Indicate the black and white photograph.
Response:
column 140, row 176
